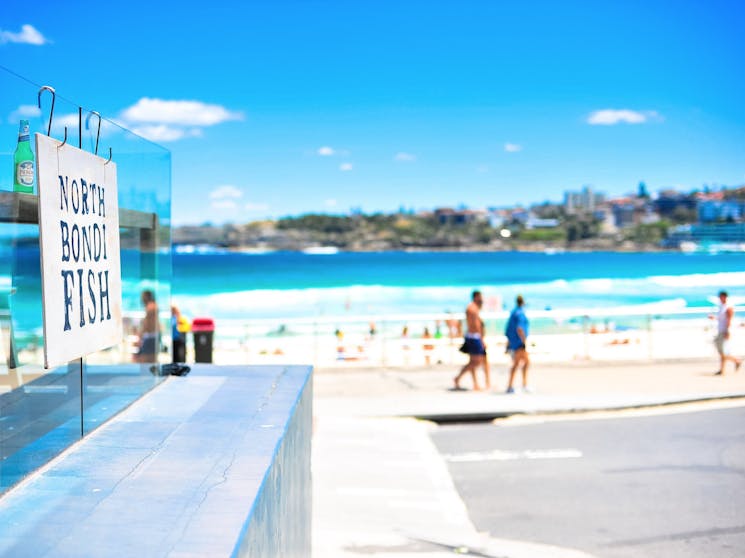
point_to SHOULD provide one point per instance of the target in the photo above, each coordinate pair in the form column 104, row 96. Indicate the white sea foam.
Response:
column 602, row 285
column 379, row 299
column 714, row 280
column 319, row 301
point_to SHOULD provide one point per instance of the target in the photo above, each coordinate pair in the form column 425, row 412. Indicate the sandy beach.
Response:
column 660, row 340
column 347, row 343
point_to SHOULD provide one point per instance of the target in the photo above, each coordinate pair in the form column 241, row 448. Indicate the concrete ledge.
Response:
column 216, row 463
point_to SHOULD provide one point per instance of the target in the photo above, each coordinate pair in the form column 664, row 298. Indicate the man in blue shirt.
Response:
column 517, row 343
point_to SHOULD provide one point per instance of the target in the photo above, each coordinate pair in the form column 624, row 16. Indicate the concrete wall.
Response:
column 216, row 463
column 280, row 520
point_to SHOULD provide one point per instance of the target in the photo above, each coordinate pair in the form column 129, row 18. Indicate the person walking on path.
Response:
column 149, row 332
column 427, row 346
column 517, row 343
column 487, row 374
column 473, row 344
column 724, row 321
column 180, row 326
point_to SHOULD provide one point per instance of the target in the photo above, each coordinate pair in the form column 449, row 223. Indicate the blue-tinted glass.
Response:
column 44, row 411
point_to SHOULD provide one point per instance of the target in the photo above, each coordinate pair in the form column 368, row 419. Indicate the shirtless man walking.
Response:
column 149, row 330
column 473, row 345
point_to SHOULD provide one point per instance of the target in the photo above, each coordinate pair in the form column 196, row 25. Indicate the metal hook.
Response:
column 64, row 141
column 98, row 133
column 51, row 112
column 109, row 159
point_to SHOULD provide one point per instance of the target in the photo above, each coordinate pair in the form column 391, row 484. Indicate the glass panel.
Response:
column 111, row 379
column 40, row 410
column 40, row 418
column 44, row 411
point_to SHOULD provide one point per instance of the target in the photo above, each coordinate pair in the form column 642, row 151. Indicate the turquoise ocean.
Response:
column 235, row 286
column 229, row 285
column 287, row 292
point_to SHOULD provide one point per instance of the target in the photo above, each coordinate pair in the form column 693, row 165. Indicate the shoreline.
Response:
column 475, row 249
column 663, row 340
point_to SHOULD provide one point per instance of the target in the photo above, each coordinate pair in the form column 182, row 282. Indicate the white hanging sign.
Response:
column 80, row 261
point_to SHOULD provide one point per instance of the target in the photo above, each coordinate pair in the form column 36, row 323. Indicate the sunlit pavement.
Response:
column 382, row 489
column 577, row 386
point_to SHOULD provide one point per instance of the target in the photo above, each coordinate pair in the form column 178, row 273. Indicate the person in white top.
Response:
column 724, row 322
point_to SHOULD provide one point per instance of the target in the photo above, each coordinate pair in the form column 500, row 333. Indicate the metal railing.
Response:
column 564, row 335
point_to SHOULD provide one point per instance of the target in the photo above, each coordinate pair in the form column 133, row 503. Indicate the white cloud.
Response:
column 180, row 113
column 256, row 207
column 62, row 120
column 512, row 147
column 224, row 204
column 404, row 157
column 163, row 132
column 108, row 127
column 326, row 151
column 28, row 35
column 59, row 121
column 69, row 121
column 346, row 167
column 226, row 191
column 224, row 197
column 330, row 203
column 610, row 117
column 24, row 112
column 154, row 119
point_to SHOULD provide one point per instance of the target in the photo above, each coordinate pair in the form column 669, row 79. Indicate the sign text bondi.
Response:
column 80, row 263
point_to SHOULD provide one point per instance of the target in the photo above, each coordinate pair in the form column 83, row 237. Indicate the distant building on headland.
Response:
column 630, row 211
column 538, row 223
column 449, row 216
column 669, row 218
column 586, row 200
column 726, row 237
column 670, row 204
column 714, row 208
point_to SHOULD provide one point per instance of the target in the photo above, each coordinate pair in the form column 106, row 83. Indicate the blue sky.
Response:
column 275, row 108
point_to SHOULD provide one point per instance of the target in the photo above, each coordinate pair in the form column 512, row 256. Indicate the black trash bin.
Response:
column 179, row 349
column 204, row 331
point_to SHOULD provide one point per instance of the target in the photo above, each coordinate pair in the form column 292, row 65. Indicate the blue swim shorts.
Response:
column 473, row 346
column 148, row 345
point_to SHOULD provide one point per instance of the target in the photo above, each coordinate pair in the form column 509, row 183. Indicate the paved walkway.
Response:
column 428, row 393
column 381, row 488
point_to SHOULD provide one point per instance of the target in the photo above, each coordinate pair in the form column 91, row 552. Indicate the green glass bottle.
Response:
column 23, row 162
